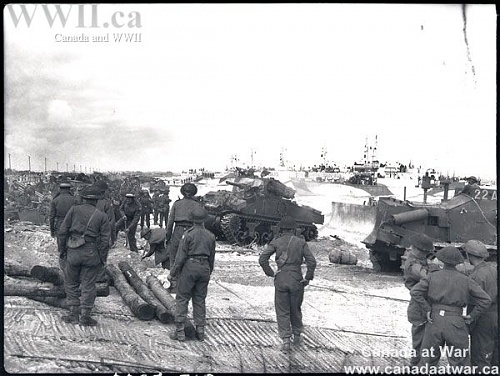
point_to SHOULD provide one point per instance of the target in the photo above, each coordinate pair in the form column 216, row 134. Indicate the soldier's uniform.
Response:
column 193, row 265
column 146, row 205
column 443, row 294
column 59, row 207
column 471, row 186
column 289, row 284
column 83, row 262
column 131, row 213
column 484, row 331
column 155, row 238
column 104, row 204
column 415, row 268
column 180, row 217
column 163, row 206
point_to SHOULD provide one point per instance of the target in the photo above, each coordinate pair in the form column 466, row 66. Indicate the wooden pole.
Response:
column 145, row 293
column 137, row 305
column 169, row 302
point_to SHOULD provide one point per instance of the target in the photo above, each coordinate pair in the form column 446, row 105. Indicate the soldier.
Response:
column 289, row 283
column 156, row 212
column 442, row 295
column 85, row 235
column 471, row 186
column 163, row 205
column 180, row 216
column 104, row 204
column 59, row 207
column 416, row 267
column 484, row 330
column 155, row 243
column 131, row 213
column 147, row 208
column 193, row 265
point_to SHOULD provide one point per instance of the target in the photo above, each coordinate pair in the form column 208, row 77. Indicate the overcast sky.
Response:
column 200, row 83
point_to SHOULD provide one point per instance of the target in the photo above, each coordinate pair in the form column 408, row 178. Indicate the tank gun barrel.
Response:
column 410, row 216
column 239, row 185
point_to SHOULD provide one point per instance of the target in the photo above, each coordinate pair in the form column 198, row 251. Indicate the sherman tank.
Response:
column 450, row 222
column 251, row 211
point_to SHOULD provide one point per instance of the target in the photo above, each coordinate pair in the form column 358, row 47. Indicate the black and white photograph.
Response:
column 200, row 189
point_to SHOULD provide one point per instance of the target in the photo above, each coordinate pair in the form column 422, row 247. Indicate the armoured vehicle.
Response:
column 450, row 222
column 250, row 212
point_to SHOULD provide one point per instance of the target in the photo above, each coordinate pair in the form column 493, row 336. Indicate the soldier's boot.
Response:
column 178, row 333
column 200, row 333
column 297, row 339
column 85, row 318
column 285, row 347
column 74, row 315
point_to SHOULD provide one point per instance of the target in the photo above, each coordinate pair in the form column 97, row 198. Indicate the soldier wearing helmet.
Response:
column 471, row 186
column 59, row 207
column 415, row 268
column 84, row 234
column 442, row 295
column 180, row 217
column 155, row 244
column 484, row 330
column 193, row 266
column 289, row 283
column 130, row 211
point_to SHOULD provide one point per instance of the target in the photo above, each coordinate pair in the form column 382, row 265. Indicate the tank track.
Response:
column 232, row 227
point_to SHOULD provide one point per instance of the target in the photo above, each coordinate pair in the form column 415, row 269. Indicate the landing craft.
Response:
column 451, row 222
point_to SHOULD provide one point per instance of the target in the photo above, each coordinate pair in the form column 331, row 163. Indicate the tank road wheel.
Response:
column 235, row 230
column 264, row 233
column 310, row 233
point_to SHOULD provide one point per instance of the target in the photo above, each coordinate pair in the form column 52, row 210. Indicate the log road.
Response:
column 348, row 312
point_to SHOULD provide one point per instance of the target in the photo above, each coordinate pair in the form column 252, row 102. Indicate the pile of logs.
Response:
column 146, row 300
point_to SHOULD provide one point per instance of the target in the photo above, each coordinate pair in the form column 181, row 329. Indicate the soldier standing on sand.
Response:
column 442, row 295
column 146, row 210
column 180, row 216
column 289, row 283
column 193, row 265
column 104, row 204
column 85, row 234
column 130, row 211
column 59, row 207
column 416, row 268
column 163, row 205
column 484, row 330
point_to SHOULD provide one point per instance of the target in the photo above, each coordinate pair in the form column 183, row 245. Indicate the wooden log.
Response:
column 31, row 287
column 16, row 270
column 169, row 302
column 48, row 274
column 141, row 309
column 145, row 293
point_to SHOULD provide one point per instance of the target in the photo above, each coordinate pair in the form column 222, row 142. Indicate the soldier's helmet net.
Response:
column 287, row 222
column 198, row 215
column 189, row 189
column 450, row 255
column 422, row 242
column 91, row 193
column 476, row 248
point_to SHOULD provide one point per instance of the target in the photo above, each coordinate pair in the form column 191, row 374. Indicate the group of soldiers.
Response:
column 439, row 295
column 86, row 230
